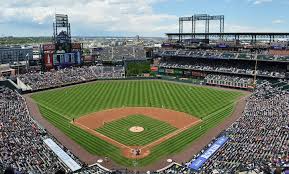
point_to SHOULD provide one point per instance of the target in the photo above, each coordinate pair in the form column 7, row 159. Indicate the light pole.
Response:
column 255, row 75
column 18, row 65
column 27, row 62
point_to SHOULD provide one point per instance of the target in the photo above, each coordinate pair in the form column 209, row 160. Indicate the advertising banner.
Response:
column 198, row 74
column 62, row 60
column 197, row 163
column 87, row 59
column 48, row 47
column 58, row 59
column 161, row 70
column 178, row 72
column 69, row 58
column 77, row 57
column 48, row 59
column 154, row 69
column 76, row 46
column 223, row 45
column 167, row 45
column 170, row 71
column 188, row 73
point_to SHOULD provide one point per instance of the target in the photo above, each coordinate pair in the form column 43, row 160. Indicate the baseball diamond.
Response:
column 119, row 130
column 98, row 116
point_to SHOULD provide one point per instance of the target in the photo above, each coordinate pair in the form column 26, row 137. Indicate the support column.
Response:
column 193, row 26
column 180, row 29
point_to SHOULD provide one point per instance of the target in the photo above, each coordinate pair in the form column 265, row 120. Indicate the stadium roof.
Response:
column 237, row 35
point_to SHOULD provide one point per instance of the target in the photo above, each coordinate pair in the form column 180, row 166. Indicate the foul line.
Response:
column 192, row 124
column 102, row 136
column 151, row 145
column 162, row 139
column 46, row 107
column 233, row 103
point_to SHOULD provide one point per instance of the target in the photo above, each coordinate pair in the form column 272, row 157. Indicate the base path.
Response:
column 174, row 118
column 180, row 120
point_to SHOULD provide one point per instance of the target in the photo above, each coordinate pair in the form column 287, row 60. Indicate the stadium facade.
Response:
column 224, row 59
column 12, row 54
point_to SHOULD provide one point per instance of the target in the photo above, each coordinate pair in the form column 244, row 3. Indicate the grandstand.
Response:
column 68, row 76
column 22, row 145
column 122, row 53
column 247, row 63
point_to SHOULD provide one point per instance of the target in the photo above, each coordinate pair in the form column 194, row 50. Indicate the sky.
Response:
column 139, row 17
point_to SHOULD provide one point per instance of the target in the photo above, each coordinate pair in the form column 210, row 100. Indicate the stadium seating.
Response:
column 21, row 145
column 122, row 53
column 217, row 54
column 43, row 80
column 224, row 67
column 228, row 81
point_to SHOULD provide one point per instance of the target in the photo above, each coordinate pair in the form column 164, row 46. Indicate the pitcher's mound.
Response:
column 136, row 129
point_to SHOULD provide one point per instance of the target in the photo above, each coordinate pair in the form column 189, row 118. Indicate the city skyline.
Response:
column 149, row 18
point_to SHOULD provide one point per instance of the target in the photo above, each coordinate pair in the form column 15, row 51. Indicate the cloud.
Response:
column 99, row 17
column 256, row 2
column 129, row 16
column 278, row 21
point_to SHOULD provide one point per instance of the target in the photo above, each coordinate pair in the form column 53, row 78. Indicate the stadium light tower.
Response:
column 201, row 17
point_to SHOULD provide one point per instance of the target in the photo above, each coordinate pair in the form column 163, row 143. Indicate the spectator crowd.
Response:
column 229, row 81
column 21, row 145
column 219, row 54
column 122, row 52
column 226, row 67
column 43, row 80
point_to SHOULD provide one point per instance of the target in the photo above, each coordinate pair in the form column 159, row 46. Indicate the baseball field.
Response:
column 115, row 118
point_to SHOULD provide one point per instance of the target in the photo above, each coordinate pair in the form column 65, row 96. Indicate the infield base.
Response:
column 136, row 129
column 180, row 120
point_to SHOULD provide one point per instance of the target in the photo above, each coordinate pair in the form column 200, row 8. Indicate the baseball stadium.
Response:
column 199, row 103
column 121, row 118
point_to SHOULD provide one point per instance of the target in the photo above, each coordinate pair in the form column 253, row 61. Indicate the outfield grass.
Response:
column 59, row 106
column 119, row 130
column 83, row 99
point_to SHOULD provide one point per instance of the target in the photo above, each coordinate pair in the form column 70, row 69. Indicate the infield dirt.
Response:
column 92, row 121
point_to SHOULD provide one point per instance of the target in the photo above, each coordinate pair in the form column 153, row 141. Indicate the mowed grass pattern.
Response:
column 58, row 106
column 119, row 130
column 83, row 99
